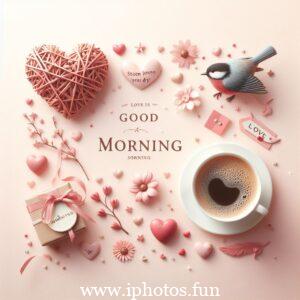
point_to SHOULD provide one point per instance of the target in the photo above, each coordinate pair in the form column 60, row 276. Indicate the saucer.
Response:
column 193, row 209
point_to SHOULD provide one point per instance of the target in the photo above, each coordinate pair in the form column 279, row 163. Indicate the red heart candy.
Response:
column 37, row 163
column 182, row 252
column 119, row 49
column 163, row 230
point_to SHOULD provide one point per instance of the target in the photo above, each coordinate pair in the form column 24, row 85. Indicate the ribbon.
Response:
column 71, row 198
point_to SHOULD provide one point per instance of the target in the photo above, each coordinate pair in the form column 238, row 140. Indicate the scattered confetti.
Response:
column 99, row 180
column 187, row 234
column 29, row 102
column 163, row 257
column 31, row 184
column 270, row 73
column 217, row 51
column 167, row 175
column 30, row 244
column 129, row 209
column 275, row 164
column 141, row 238
column 140, row 49
column 138, row 221
column 144, row 259
column 161, row 49
column 118, row 174
column 182, row 252
column 77, row 136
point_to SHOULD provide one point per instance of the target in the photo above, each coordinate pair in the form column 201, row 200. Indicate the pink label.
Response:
column 217, row 123
column 258, row 132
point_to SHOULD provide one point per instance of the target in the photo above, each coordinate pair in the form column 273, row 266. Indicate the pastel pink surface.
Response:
column 275, row 275
column 141, row 77
column 163, row 230
column 37, row 163
column 90, row 251
column 217, row 123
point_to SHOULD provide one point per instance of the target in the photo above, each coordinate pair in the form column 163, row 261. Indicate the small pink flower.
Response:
column 114, row 203
column 141, row 238
column 184, row 54
column 145, row 187
column 187, row 98
column 123, row 251
column 107, row 190
column 96, row 197
column 102, row 213
column 115, row 226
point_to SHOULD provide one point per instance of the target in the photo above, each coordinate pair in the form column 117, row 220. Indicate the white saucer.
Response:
column 194, row 210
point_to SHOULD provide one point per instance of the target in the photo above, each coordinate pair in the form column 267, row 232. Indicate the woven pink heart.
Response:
column 67, row 81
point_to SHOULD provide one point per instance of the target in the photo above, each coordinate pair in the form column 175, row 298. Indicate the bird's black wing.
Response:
column 253, row 85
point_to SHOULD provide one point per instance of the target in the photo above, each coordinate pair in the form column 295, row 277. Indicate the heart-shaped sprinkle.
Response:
column 167, row 175
column 31, row 184
column 118, row 174
column 177, row 78
column 67, row 81
column 187, row 234
column 90, row 251
column 77, row 136
column 182, row 252
column 217, row 51
column 163, row 230
column 141, row 77
column 138, row 221
column 204, row 249
column 119, row 49
column 37, row 163
column 222, row 194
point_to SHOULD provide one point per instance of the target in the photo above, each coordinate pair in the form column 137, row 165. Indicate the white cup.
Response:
column 253, row 161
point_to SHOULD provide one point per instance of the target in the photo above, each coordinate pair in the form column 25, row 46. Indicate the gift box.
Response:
column 56, row 214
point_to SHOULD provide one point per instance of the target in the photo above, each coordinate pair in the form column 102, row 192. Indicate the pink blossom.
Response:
column 187, row 98
column 114, row 203
column 107, row 190
column 123, row 251
column 145, row 187
column 102, row 213
column 96, row 197
column 184, row 54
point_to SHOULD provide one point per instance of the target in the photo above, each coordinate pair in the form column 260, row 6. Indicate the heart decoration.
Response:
column 67, row 81
column 142, row 77
column 204, row 249
column 163, row 230
column 37, row 163
column 90, row 251
column 119, row 49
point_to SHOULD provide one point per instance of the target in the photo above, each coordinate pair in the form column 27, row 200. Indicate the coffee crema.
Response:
column 225, row 186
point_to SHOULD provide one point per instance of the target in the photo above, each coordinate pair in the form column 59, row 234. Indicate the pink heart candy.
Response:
column 119, row 49
column 90, row 251
column 77, row 136
column 141, row 77
column 177, row 78
column 204, row 249
column 217, row 51
column 37, row 163
column 163, row 230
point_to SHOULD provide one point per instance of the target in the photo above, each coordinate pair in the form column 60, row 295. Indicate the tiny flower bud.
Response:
column 107, row 190
column 102, row 213
column 115, row 226
column 96, row 197
column 114, row 203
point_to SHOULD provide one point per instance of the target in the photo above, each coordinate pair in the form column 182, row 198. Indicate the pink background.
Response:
column 252, row 25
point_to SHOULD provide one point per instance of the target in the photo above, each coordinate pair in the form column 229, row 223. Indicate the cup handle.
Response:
column 261, row 209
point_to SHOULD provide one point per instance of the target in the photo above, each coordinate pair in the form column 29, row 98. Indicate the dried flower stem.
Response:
column 112, row 214
column 45, row 142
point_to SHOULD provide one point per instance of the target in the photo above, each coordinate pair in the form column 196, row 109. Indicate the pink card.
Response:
column 258, row 132
column 217, row 123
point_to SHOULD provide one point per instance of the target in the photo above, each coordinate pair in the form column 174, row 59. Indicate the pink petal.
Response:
column 138, row 179
column 190, row 105
column 134, row 190
column 145, row 197
column 147, row 177
column 153, row 184
column 152, row 192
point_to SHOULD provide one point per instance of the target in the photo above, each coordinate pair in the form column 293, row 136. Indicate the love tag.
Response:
column 142, row 77
column 63, row 218
column 258, row 132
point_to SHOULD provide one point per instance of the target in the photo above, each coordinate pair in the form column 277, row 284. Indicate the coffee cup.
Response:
column 227, row 184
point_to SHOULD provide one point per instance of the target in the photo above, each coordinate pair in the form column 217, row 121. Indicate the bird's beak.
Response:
column 204, row 74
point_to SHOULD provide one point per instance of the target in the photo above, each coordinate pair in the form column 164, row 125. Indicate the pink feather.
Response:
column 242, row 249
